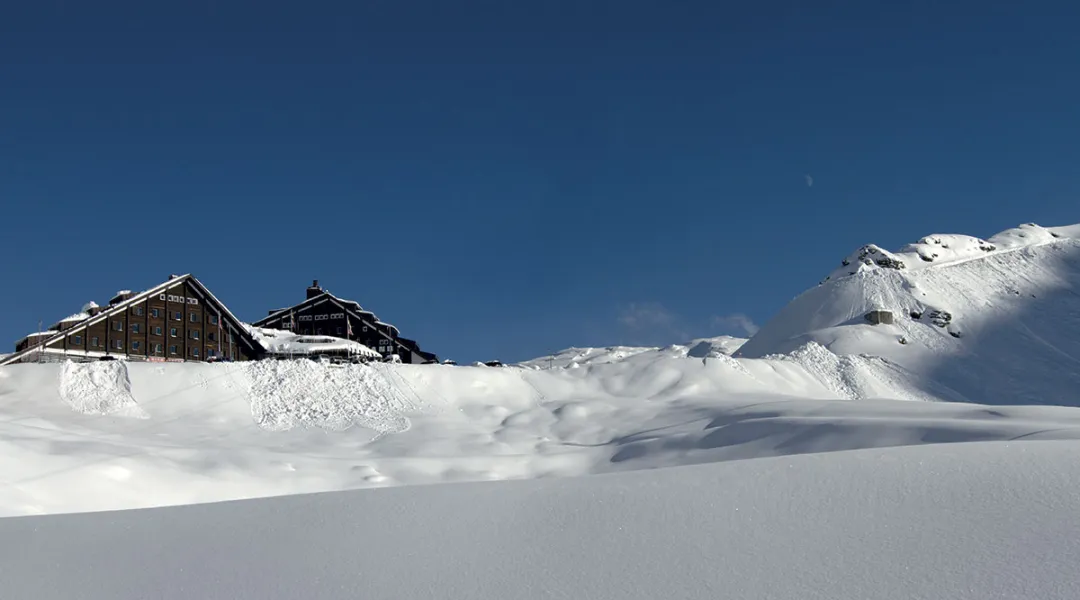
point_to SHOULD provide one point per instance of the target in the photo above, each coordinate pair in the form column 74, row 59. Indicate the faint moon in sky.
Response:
column 809, row 181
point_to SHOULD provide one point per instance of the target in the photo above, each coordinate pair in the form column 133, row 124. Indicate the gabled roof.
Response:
column 141, row 296
column 325, row 295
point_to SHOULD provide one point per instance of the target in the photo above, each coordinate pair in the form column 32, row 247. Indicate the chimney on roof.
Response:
column 314, row 290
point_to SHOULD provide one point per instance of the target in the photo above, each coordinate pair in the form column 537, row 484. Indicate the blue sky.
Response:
column 501, row 180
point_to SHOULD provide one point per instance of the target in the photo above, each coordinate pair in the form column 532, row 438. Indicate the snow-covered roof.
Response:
column 75, row 317
column 89, row 305
column 276, row 341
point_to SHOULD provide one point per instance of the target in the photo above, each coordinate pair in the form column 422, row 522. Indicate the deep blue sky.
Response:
column 503, row 179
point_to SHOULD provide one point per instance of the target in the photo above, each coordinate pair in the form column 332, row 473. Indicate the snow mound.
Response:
column 724, row 345
column 99, row 388
column 574, row 358
column 300, row 393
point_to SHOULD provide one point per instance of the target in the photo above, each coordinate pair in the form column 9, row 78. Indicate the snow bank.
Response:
column 227, row 431
column 295, row 393
column 100, row 388
column 573, row 358
column 966, row 521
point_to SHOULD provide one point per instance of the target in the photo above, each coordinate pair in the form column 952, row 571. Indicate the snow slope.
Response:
column 573, row 358
column 145, row 434
column 964, row 522
column 991, row 321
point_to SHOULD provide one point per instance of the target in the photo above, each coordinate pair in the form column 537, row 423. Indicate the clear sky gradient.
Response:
column 504, row 179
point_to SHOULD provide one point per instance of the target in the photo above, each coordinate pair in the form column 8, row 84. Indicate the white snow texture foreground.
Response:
column 963, row 521
column 827, row 457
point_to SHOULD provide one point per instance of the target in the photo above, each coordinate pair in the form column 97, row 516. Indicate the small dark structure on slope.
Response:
column 880, row 317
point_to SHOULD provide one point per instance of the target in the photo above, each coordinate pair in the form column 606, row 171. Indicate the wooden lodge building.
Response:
column 322, row 313
column 181, row 320
column 178, row 320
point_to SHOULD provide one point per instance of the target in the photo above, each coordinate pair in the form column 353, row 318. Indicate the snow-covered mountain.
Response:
column 815, row 459
column 993, row 321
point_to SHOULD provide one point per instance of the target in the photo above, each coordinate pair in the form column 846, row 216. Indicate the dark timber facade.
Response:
column 178, row 320
column 322, row 313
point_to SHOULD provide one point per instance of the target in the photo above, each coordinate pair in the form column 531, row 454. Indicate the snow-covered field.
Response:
column 962, row 521
column 824, row 457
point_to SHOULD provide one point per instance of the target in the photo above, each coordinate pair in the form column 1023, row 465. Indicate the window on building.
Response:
column 157, row 331
column 138, row 310
column 157, row 348
column 211, row 336
column 213, row 319
column 118, row 344
column 77, row 340
column 365, row 327
column 155, row 313
column 211, row 353
column 178, row 315
column 94, row 342
column 172, row 332
column 194, row 334
column 134, row 328
column 172, row 350
column 194, row 317
column 134, row 345
column 118, row 325
column 195, row 352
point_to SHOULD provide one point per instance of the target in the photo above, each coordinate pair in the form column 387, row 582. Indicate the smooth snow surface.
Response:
column 958, row 522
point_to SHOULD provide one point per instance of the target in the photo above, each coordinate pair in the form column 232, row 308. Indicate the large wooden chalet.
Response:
column 177, row 320
column 323, row 313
